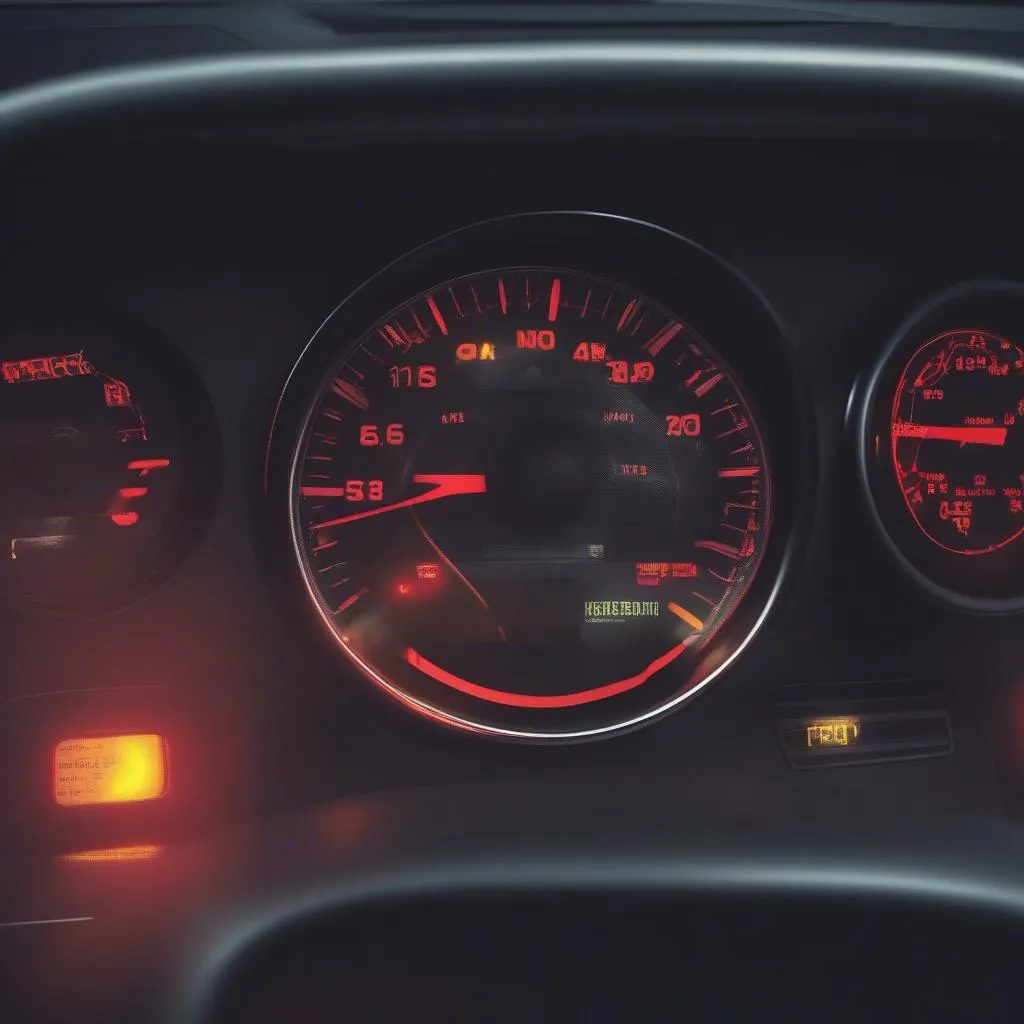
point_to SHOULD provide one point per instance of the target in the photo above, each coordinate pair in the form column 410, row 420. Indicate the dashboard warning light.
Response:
column 833, row 732
column 112, row 854
column 109, row 769
column 428, row 571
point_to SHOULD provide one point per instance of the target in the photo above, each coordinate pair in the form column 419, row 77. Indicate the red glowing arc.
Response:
column 444, row 485
column 530, row 700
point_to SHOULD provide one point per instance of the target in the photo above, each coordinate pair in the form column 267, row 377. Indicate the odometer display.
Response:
column 526, row 500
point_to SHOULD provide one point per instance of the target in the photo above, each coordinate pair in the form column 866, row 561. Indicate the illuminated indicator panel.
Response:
column 529, row 499
column 112, row 854
column 109, row 770
column 833, row 732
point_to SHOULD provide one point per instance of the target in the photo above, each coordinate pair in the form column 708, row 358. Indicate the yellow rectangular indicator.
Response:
column 109, row 770
column 112, row 854
column 833, row 732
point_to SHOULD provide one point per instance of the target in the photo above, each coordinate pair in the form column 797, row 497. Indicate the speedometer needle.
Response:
column 443, row 485
column 965, row 435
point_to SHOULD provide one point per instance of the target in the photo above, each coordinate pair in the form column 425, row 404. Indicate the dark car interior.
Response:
column 511, row 511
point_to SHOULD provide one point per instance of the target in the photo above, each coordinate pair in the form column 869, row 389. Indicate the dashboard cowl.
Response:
column 715, row 89
column 714, row 838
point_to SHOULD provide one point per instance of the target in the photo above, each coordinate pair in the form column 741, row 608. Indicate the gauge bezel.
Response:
column 674, row 272
column 195, row 422
column 994, row 306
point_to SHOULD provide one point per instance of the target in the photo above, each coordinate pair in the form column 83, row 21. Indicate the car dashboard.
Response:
column 523, row 497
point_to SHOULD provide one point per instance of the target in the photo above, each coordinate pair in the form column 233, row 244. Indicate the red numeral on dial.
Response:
column 413, row 376
column 687, row 425
column 621, row 372
column 370, row 434
column 364, row 490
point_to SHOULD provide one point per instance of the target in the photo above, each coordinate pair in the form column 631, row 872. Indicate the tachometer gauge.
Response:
column 942, row 445
column 957, row 436
column 528, row 499
column 100, row 472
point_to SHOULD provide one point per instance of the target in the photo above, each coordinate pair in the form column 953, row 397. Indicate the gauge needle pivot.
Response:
column 965, row 435
column 442, row 485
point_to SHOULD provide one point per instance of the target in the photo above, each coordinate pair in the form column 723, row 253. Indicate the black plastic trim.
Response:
column 713, row 88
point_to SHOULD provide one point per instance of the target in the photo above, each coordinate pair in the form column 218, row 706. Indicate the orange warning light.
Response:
column 112, row 854
column 109, row 769
column 469, row 350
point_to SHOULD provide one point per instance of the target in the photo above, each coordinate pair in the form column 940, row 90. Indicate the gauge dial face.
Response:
column 96, row 470
column 942, row 445
column 957, row 437
column 527, row 499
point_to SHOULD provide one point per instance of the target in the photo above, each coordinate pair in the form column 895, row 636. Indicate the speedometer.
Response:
column 527, row 500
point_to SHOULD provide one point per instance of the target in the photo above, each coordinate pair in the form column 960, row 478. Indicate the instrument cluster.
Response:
column 539, row 479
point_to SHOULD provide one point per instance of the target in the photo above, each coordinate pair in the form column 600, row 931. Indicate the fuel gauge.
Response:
column 106, row 459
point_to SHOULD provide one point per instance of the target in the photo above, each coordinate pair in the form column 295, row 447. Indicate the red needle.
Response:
column 965, row 435
column 444, row 485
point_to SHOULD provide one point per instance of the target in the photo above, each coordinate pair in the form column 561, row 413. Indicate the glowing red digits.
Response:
column 120, row 514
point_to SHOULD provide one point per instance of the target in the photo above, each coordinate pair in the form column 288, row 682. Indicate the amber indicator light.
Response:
column 109, row 769
column 833, row 732
column 112, row 854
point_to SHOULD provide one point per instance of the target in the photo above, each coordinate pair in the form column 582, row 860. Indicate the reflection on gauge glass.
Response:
column 944, row 444
column 96, row 465
column 534, row 501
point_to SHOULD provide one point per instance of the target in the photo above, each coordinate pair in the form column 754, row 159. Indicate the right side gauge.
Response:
column 940, row 444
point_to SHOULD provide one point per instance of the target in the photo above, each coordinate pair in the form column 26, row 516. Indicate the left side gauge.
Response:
column 109, row 462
